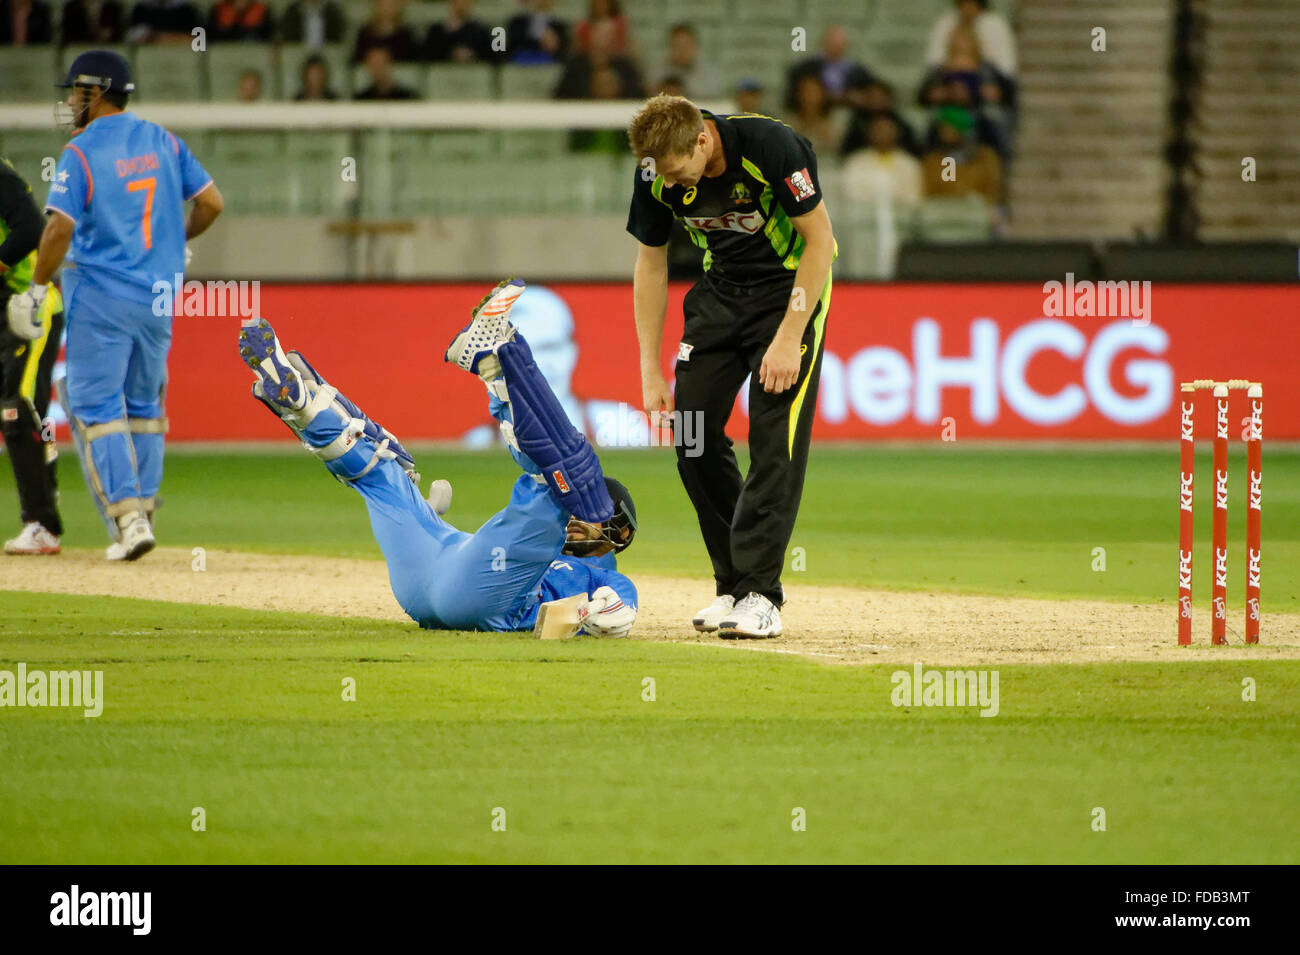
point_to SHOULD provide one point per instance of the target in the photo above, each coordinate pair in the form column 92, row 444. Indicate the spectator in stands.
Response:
column 812, row 114
column 313, row 23
column 25, row 23
column 250, row 86
column 833, row 67
column 976, row 167
column 314, row 80
column 884, row 171
column 579, row 80
column 993, row 32
column 668, row 86
column 92, row 21
column 599, row 12
column 748, row 95
column 966, row 80
column 240, row 20
column 458, row 37
column 386, row 29
column 873, row 99
column 378, row 63
column 700, row 76
column 163, row 21
column 534, row 36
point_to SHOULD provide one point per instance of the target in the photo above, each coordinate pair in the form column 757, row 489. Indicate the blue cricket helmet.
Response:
column 102, row 68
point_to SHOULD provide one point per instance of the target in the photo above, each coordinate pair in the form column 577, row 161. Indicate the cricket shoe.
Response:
column 278, row 382
column 137, row 539
column 754, row 617
column 34, row 539
column 489, row 327
column 708, row 619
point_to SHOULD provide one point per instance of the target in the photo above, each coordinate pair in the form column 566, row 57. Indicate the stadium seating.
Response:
column 169, row 73
column 226, row 62
column 336, row 55
column 28, row 74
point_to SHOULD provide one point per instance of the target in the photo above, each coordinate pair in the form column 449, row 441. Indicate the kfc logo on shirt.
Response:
column 800, row 184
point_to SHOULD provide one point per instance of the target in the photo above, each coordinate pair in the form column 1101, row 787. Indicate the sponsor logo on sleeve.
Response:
column 800, row 184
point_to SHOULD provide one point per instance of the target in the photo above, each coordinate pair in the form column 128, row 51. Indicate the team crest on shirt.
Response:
column 800, row 184
column 740, row 193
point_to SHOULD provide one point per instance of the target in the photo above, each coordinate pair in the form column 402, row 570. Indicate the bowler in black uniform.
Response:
column 746, row 189
column 25, row 368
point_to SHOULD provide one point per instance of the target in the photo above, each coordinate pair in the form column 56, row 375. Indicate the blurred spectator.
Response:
column 993, row 32
column 588, row 75
column 604, row 83
column 25, row 22
column 884, row 171
column 312, row 22
column 250, row 86
column 163, row 21
column 92, row 21
column 599, row 12
column 314, row 80
column 240, row 20
column 833, row 67
column 700, row 77
column 668, row 86
column 876, row 98
column 378, row 63
column 812, row 114
column 749, row 96
column 534, row 36
column 386, row 29
column 458, row 37
column 978, row 169
column 965, row 80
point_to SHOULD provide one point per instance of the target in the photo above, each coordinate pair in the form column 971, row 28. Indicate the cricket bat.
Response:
column 558, row 619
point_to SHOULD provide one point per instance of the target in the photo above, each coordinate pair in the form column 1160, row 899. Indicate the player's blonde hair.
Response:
column 665, row 126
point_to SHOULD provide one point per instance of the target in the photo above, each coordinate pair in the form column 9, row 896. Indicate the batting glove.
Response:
column 606, row 615
column 25, row 312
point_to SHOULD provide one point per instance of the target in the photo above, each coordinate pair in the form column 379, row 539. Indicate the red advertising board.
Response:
column 902, row 361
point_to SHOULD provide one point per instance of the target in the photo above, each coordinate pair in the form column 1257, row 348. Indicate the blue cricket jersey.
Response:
column 124, row 181
column 568, row 576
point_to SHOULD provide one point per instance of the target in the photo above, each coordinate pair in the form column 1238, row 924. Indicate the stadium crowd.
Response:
column 968, row 92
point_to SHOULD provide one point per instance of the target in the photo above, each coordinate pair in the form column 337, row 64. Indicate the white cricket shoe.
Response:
column 137, row 540
column 440, row 496
column 707, row 620
column 754, row 616
column 34, row 539
column 489, row 326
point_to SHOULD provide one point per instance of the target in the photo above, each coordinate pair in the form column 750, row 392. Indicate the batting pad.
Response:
column 545, row 434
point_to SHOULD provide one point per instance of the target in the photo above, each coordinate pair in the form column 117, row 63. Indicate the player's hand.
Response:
column 656, row 397
column 606, row 615
column 780, row 367
column 25, row 312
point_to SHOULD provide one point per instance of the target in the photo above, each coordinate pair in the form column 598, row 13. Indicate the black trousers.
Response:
column 25, row 369
column 746, row 522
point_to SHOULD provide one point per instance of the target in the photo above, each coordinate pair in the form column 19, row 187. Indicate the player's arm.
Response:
column 207, row 206
column 55, row 240
column 650, row 307
column 780, row 368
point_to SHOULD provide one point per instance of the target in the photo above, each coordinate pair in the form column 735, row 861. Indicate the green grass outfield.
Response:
column 947, row 517
column 240, row 712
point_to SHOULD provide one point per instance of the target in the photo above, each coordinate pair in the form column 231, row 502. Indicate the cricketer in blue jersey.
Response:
column 118, row 226
column 555, row 539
